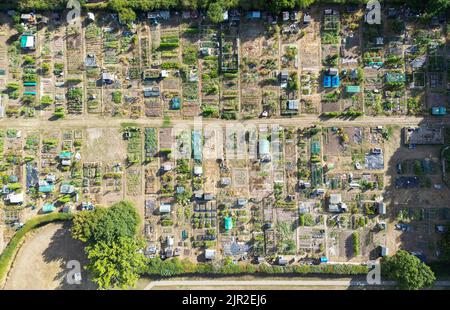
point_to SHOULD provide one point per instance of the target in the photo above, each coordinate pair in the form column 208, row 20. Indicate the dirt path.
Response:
column 41, row 261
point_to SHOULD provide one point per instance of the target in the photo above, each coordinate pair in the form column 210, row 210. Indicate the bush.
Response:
column 356, row 243
column 29, row 60
column 170, row 65
column 46, row 100
column 176, row 267
column 45, row 68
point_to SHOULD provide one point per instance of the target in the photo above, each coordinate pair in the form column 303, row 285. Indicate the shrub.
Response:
column 356, row 243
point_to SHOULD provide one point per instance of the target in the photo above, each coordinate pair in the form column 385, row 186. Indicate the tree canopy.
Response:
column 116, row 264
column 215, row 12
column 115, row 255
column 127, row 8
column 84, row 224
column 409, row 272
column 106, row 224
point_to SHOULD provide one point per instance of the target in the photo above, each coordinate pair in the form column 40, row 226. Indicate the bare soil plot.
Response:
column 50, row 248
column 107, row 142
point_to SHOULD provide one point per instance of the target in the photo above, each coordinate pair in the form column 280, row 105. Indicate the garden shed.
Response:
column 228, row 223
column 353, row 89
column 48, row 207
column 27, row 41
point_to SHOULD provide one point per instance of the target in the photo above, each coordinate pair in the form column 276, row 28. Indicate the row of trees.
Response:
column 175, row 267
column 114, row 252
column 126, row 9
column 432, row 6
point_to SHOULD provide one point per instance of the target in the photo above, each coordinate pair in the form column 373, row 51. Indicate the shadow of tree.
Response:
column 63, row 248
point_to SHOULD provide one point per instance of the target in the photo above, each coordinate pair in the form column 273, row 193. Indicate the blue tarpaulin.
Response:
column 335, row 82
column 327, row 81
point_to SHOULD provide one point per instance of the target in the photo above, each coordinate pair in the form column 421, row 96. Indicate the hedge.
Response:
column 356, row 244
column 13, row 246
column 177, row 267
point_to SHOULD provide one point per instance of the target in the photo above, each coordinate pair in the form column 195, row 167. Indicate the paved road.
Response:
column 99, row 122
column 259, row 283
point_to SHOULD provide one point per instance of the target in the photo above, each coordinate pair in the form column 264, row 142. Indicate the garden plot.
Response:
column 171, row 99
column 132, row 103
column 250, row 38
column 94, row 42
column 153, row 107
column 209, row 71
column 111, row 46
column 4, row 30
column 47, row 87
column 151, row 180
column 250, row 100
column 169, row 47
column 261, row 180
column 190, row 77
column 74, row 49
column 212, row 173
column 289, row 57
column 269, row 47
column 112, row 102
column 92, row 180
column 310, row 54
column 351, row 49
column 331, row 107
column 311, row 104
column 94, row 100
column 240, row 181
column 112, row 184
column 286, row 239
column 270, row 99
column 354, row 103
column 57, row 44
column 290, row 153
column 373, row 86
column 333, row 144
column 146, row 45
column 330, row 55
column 134, row 158
column 311, row 240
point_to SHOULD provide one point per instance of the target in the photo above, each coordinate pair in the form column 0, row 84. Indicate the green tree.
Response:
column 215, row 12
column 127, row 15
column 276, row 6
column 304, row 3
column 106, row 224
column 116, row 264
column 121, row 220
column 409, row 272
column 84, row 223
